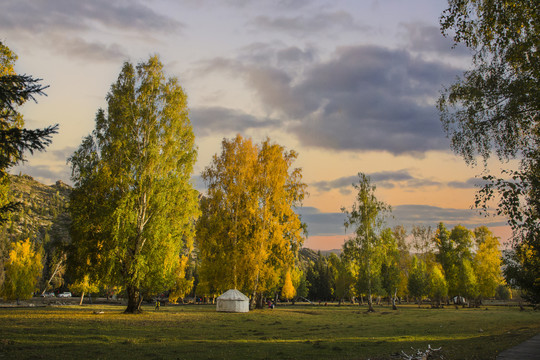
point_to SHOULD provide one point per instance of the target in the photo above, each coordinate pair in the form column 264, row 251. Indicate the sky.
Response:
column 350, row 85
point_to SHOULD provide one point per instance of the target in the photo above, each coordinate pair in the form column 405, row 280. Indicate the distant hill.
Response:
column 306, row 255
column 42, row 215
column 333, row 251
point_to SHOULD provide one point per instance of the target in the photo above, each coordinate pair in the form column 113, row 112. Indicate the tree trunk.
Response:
column 370, row 302
column 257, row 301
column 50, row 279
column 394, row 307
column 134, row 301
column 82, row 297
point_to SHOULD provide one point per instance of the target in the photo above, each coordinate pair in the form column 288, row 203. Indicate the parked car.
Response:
column 49, row 294
column 65, row 294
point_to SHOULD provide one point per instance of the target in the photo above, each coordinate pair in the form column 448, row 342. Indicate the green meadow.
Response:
column 286, row 332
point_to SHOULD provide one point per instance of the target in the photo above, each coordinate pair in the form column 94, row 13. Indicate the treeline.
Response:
column 412, row 271
column 410, row 267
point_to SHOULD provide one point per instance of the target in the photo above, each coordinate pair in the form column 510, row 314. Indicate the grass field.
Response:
column 286, row 332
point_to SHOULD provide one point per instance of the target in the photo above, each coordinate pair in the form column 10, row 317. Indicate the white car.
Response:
column 65, row 294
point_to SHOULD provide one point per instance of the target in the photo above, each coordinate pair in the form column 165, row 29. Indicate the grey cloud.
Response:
column 373, row 98
column 210, row 120
column 383, row 179
column 468, row 184
column 409, row 215
column 62, row 154
column 343, row 182
column 62, row 25
column 322, row 223
column 364, row 98
column 198, row 183
column 242, row 4
column 80, row 48
column 307, row 210
column 422, row 37
column 307, row 25
column 43, row 173
column 275, row 54
column 294, row 4
column 294, row 54
column 67, row 15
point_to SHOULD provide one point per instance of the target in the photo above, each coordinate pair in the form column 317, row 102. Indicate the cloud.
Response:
column 61, row 154
column 70, row 27
column 372, row 98
column 391, row 179
column 198, row 183
column 326, row 224
column 211, row 120
column 92, row 51
column 43, row 173
column 294, row 54
column 364, row 97
column 409, row 215
column 322, row 223
column 471, row 183
column 428, row 38
column 307, row 25
column 383, row 179
column 66, row 15
column 278, row 55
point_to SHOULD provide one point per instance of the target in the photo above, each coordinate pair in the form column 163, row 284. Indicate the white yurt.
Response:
column 233, row 301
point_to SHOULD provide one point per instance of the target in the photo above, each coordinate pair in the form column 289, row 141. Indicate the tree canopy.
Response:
column 366, row 248
column 248, row 235
column 23, row 270
column 494, row 108
column 133, row 205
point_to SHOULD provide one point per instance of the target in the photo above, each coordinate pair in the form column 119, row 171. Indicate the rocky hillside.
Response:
column 42, row 214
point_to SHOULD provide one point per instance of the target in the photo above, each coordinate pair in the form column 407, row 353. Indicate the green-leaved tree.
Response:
column 15, row 140
column 23, row 269
column 365, row 248
column 133, row 204
column 493, row 109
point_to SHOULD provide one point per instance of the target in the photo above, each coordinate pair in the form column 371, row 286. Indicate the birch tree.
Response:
column 493, row 110
column 133, row 204
column 365, row 247
column 23, row 269
column 487, row 263
column 248, row 234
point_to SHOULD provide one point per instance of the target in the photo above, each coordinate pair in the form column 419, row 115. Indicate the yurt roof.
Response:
column 233, row 295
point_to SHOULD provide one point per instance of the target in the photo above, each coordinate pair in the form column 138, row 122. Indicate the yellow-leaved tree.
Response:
column 248, row 233
column 84, row 286
column 23, row 270
column 288, row 291
column 487, row 263
column 182, row 285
